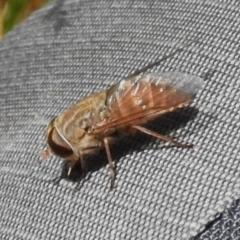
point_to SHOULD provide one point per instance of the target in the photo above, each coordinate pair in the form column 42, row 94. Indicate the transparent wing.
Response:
column 143, row 97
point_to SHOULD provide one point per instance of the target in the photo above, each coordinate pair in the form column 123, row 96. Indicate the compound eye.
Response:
column 58, row 145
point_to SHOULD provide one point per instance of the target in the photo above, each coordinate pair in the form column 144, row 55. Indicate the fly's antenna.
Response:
column 158, row 62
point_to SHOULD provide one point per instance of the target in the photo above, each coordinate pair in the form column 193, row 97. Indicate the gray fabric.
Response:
column 70, row 49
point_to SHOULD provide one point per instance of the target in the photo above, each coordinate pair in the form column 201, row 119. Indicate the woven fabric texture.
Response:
column 72, row 48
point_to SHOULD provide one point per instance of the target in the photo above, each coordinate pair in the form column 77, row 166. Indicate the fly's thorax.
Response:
column 82, row 117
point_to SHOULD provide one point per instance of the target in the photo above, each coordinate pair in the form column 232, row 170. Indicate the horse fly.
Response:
column 93, row 121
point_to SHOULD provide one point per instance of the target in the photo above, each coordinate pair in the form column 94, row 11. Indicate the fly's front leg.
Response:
column 111, row 166
column 71, row 166
column 85, row 174
column 161, row 137
column 83, row 167
column 72, row 163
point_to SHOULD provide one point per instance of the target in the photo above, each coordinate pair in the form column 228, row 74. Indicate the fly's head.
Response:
column 57, row 143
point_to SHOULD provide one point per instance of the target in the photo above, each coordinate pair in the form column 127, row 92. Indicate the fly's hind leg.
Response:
column 111, row 166
column 161, row 137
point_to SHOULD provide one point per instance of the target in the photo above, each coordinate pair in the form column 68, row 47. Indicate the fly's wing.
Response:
column 132, row 101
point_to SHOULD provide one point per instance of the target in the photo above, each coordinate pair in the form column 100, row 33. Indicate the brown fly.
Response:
column 90, row 124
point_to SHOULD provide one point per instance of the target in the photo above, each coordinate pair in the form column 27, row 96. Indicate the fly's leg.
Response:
column 111, row 166
column 85, row 174
column 70, row 167
column 83, row 166
column 57, row 180
column 162, row 137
